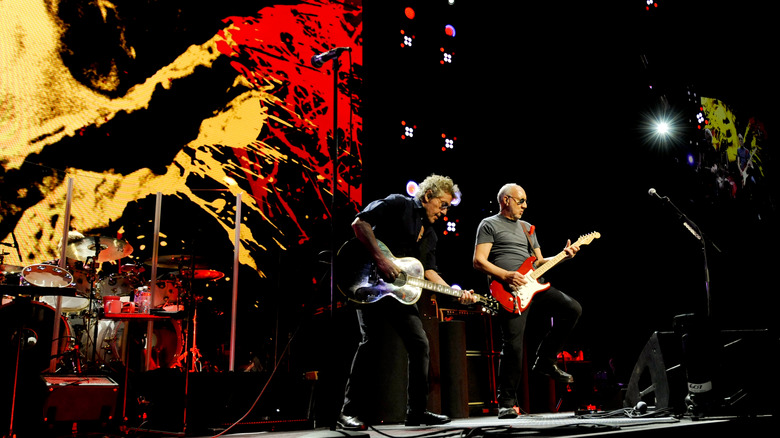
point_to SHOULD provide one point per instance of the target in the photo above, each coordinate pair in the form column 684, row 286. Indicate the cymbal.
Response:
column 100, row 248
column 178, row 261
column 201, row 274
column 11, row 269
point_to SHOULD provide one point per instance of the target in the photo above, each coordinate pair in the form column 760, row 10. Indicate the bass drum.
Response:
column 166, row 343
column 109, row 341
column 34, row 321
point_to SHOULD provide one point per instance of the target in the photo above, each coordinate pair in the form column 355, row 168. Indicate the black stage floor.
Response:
column 539, row 425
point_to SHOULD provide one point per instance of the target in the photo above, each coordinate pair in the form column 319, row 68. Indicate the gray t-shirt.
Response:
column 510, row 244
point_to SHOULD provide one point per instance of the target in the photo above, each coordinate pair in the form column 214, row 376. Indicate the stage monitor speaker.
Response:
column 454, row 387
column 739, row 386
column 658, row 377
column 74, row 398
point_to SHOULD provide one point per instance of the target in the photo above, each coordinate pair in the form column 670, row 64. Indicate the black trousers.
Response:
column 406, row 321
column 551, row 303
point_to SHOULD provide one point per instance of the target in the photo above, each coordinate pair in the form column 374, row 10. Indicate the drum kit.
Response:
column 93, row 271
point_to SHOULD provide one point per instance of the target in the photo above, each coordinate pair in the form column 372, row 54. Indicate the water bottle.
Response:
column 144, row 301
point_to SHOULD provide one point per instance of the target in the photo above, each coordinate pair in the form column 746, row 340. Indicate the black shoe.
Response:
column 551, row 370
column 506, row 413
column 426, row 418
column 347, row 422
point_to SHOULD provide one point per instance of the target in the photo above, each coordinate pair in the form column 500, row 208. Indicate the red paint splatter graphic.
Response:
column 272, row 51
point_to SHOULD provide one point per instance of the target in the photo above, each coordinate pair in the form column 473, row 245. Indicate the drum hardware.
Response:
column 14, row 245
column 93, row 250
column 175, row 288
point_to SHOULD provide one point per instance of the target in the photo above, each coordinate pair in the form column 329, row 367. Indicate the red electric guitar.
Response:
column 517, row 300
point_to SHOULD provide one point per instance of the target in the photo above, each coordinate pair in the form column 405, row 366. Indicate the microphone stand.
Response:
column 334, row 150
column 334, row 160
column 317, row 62
column 699, row 235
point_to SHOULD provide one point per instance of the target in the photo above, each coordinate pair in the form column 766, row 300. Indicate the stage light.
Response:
column 407, row 34
column 411, row 188
column 408, row 131
column 407, row 40
column 662, row 128
column 449, row 30
column 449, row 143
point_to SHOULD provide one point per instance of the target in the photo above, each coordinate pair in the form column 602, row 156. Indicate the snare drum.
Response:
column 68, row 304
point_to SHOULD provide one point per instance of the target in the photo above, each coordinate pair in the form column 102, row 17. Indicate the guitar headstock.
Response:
column 489, row 304
column 587, row 238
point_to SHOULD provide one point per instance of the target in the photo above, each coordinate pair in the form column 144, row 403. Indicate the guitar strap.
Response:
column 530, row 241
column 528, row 235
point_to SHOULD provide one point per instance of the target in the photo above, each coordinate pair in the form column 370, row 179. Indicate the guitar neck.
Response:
column 583, row 240
column 548, row 265
column 435, row 287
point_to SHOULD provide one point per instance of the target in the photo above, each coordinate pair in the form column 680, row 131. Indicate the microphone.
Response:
column 320, row 59
column 653, row 192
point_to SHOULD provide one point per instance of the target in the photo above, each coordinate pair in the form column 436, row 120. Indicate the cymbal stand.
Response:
column 91, row 268
column 195, row 363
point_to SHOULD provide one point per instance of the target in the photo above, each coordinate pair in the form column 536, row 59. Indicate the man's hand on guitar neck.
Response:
column 570, row 250
column 467, row 297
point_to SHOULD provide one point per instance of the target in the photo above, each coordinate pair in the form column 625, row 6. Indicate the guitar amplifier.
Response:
column 74, row 398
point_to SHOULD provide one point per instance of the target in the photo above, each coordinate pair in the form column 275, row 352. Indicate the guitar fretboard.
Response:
column 440, row 288
column 435, row 287
column 583, row 240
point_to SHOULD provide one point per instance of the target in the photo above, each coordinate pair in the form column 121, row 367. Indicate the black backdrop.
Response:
column 554, row 97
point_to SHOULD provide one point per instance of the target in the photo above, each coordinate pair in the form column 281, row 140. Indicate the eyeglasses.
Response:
column 443, row 205
column 520, row 202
